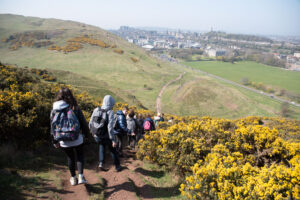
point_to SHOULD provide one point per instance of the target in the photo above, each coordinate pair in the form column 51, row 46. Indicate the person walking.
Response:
column 132, row 125
column 121, row 129
column 68, row 128
column 102, row 127
column 140, row 128
column 148, row 124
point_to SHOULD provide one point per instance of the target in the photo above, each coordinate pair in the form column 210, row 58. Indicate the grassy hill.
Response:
column 205, row 96
column 100, row 62
column 141, row 79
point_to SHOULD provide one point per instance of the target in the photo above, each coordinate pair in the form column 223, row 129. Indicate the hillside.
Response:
column 100, row 62
column 240, row 159
column 132, row 71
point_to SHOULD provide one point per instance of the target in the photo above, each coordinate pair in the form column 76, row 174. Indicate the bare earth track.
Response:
column 129, row 184
column 158, row 99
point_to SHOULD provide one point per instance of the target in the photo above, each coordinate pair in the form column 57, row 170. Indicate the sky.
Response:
column 261, row 17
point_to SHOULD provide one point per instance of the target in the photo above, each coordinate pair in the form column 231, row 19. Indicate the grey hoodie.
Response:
column 108, row 104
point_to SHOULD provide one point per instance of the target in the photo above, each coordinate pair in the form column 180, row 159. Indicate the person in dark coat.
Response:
column 121, row 129
column 151, row 124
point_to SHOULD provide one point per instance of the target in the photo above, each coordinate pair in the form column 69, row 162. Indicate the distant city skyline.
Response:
column 259, row 17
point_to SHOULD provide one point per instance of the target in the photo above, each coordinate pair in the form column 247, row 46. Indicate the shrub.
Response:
column 119, row 51
column 134, row 59
column 229, row 159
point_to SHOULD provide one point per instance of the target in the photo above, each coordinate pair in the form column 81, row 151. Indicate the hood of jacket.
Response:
column 59, row 105
column 108, row 102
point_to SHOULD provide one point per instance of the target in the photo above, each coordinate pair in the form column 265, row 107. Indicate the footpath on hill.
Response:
column 133, row 182
column 158, row 99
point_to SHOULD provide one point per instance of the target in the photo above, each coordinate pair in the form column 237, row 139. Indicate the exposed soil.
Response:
column 158, row 99
column 131, row 183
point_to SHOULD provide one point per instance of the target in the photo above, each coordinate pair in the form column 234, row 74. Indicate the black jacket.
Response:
column 121, row 124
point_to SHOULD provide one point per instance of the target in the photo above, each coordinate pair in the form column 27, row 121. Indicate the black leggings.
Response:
column 71, row 152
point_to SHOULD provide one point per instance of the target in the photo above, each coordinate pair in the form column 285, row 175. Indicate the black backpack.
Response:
column 99, row 124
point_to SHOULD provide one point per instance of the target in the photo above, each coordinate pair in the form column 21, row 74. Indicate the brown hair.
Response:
column 66, row 95
column 125, row 108
column 131, row 113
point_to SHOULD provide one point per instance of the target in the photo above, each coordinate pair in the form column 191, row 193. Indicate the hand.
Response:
column 57, row 145
column 132, row 134
column 114, row 144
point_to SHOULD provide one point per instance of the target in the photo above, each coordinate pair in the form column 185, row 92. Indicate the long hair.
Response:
column 66, row 95
column 131, row 113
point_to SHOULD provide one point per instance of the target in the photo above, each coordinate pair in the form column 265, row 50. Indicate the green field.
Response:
column 255, row 72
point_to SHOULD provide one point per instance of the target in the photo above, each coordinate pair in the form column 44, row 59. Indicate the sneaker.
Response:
column 101, row 167
column 73, row 180
column 81, row 180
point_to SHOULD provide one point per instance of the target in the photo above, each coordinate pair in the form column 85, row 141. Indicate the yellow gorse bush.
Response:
column 26, row 101
column 230, row 159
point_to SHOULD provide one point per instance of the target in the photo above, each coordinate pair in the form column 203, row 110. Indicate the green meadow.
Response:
column 255, row 72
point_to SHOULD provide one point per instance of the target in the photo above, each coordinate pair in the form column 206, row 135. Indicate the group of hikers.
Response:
column 69, row 128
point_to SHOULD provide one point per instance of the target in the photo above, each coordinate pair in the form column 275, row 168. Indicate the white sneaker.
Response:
column 73, row 180
column 81, row 180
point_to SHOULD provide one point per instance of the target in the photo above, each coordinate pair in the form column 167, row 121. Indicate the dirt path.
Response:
column 158, row 99
column 131, row 183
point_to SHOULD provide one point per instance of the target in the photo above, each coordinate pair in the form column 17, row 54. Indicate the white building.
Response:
column 148, row 47
column 297, row 55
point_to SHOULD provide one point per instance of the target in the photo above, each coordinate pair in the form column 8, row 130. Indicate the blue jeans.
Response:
column 103, row 142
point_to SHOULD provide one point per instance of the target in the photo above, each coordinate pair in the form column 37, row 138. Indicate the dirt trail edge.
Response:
column 131, row 183
column 158, row 99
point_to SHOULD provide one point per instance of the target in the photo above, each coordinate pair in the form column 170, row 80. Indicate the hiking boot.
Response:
column 81, row 180
column 73, row 180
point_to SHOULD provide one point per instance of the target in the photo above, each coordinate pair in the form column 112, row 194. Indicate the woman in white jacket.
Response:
column 66, row 100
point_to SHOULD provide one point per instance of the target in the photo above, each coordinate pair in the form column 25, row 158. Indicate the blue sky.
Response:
column 266, row 17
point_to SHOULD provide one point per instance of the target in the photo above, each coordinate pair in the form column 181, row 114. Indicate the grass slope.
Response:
column 256, row 72
column 205, row 96
column 100, row 64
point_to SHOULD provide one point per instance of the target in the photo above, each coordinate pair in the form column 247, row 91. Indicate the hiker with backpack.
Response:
column 102, row 128
column 140, row 128
column 121, row 129
column 148, row 124
column 132, row 125
column 69, row 128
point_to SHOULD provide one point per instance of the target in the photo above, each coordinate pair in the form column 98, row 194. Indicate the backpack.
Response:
column 99, row 124
column 132, row 125
column 147, row 126
column 66, row 126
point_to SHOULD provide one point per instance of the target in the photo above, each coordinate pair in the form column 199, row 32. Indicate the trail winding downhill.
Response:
column 134, row 182
column 158, row 99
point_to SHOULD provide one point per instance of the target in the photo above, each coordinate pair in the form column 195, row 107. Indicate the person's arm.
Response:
column 83, row 124
column 122, row 123
column 54, row 142
column 110, row 126
column 153, row 125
